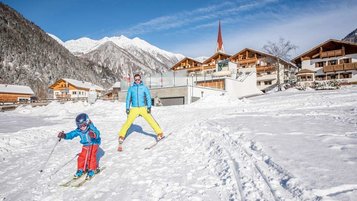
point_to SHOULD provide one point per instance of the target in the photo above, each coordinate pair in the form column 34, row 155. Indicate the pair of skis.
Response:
column 80, row 181
column 120, row 147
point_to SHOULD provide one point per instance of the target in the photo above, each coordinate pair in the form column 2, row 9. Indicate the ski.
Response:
column 154, row 144
column 74, row 179
column 98, row 171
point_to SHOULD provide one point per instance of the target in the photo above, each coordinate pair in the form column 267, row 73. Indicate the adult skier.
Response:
column 139, row 98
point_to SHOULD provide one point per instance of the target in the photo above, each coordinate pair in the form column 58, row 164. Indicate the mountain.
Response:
column 123, row 55
column 29, row 56
column 351, row 37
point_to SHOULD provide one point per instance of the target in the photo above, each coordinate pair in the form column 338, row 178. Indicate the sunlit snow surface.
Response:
column 289, row 145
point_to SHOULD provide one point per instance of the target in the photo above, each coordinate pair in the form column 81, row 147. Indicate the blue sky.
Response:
column 190, row 27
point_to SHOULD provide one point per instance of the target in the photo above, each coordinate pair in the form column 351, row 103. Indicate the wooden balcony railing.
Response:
column 340, row 67
column 247, row 61
column 350, row 66
column 332, row 53
column 200, row 68
column 265, row 68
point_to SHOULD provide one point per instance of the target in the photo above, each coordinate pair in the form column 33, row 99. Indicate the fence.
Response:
column 170, row 79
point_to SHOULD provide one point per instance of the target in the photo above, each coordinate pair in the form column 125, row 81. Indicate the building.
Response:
column 266, row 67
column 70, row 88
column 113, row 92
column 15, row 93
column 330, row 60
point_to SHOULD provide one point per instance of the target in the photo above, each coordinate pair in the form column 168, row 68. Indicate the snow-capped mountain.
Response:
column 351, row 37
column 29, row 56
column 123, row 55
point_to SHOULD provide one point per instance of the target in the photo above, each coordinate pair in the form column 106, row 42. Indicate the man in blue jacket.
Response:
column 139, row 98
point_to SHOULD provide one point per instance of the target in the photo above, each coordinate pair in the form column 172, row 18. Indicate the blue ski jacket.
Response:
column 84, row 135
column 138, row 95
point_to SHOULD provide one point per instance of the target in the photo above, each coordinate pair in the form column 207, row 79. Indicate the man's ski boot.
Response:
column 78, row 174
column 120, row 147
column 159, row 136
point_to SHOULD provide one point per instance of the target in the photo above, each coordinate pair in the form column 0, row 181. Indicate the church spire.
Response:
column 219, row 39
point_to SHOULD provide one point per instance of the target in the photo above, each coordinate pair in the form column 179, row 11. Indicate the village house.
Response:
column 113, row 92
column 69, row 88
column 15, row 93
column 266, row 67
column 331, row 60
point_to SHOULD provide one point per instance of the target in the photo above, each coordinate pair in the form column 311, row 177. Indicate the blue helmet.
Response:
column 82, row 119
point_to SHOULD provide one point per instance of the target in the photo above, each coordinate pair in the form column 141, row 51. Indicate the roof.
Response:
column 329, row 42
column 18, row 89
column 116, row 85
column 79, row 84
column 264, row 53
column 83, row 84
column 216, row 55
column 182, row 60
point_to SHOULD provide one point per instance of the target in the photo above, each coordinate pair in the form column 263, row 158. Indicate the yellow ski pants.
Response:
column 135, row 112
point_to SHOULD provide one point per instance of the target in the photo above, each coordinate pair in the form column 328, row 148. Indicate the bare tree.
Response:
column 280, row 50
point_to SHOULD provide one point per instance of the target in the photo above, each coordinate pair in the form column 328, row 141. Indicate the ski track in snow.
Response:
column 212, row 154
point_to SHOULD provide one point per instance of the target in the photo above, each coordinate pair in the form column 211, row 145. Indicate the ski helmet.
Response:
column 82, row 119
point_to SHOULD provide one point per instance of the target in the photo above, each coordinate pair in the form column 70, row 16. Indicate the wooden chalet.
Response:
column 330, row 60
column 15, row 93
column 187, row 64
column 113, row 93
column 69, row 88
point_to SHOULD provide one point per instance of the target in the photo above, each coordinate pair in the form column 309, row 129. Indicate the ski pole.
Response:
column 44, row 165
column 65, row 164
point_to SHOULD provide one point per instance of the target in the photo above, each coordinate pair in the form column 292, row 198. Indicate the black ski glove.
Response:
column 149, row 110
column 61, row 134
column 127, row 111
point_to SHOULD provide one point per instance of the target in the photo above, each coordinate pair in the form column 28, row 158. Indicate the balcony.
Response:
column 332, row 53
column 247, row 61
column 350, row 66
column 200, row 68
column 265, row 68
column 340, row 67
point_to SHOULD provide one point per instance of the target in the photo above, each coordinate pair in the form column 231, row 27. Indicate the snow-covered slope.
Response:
column 289, row 145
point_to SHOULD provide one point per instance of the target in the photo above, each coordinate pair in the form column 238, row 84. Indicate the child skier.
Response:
column 90, row 138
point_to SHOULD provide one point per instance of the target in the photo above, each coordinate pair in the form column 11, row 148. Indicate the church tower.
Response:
column 219, row 40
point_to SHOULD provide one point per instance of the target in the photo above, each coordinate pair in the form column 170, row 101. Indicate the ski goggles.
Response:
column 82, row 125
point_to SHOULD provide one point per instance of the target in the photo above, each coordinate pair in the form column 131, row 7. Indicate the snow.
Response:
column 8, row 88
column 290, row 145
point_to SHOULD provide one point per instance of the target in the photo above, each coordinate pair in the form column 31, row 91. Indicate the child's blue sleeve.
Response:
column 71, row 135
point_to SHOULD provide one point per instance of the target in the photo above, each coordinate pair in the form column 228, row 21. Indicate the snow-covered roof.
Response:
column 83, row 84
column 18, row 89
column 116, row 85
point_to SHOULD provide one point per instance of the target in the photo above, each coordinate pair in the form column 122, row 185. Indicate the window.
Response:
column 319, row 64
column 346, row 75
column 268, row 73
column 332, row 62
column 74, row 92
column 267, row 82
column 258, row 83
column 345, row 61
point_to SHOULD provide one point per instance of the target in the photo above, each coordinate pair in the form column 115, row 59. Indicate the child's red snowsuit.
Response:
column 87, row 159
